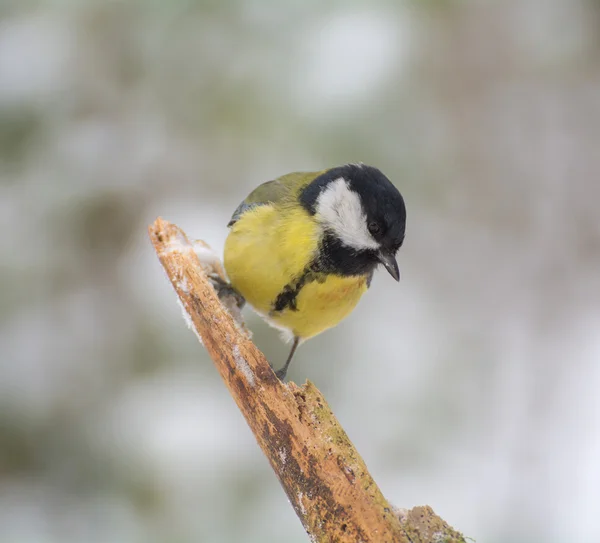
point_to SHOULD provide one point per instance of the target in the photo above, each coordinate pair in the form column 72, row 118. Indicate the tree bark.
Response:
column 326, row 480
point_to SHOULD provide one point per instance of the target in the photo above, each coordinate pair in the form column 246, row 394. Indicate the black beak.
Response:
column 389, row 261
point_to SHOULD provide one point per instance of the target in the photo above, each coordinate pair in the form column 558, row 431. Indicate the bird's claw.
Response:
column 225, row 291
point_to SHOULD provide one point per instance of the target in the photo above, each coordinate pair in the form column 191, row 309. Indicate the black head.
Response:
column 363, row 215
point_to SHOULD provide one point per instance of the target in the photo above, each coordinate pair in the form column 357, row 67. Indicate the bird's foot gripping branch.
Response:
column 326, row 480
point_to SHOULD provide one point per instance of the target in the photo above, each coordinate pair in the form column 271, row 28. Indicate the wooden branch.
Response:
column 325, row 478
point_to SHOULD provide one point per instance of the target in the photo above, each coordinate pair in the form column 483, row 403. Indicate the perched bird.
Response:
column 302, row 249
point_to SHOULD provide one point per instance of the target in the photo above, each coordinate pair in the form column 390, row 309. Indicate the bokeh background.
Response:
column 472, row 386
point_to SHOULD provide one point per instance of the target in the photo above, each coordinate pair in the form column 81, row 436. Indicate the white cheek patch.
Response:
column 339, row 209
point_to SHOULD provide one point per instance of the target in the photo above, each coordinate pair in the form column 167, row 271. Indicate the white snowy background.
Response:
column 472, row 385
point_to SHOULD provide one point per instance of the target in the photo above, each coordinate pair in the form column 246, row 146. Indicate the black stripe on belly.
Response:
column 286, row 299
column 334, row 259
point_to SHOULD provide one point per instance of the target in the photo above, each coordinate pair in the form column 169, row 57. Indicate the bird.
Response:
column 302, row 248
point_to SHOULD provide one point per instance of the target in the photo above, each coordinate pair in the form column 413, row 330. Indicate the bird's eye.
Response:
column 374, row 228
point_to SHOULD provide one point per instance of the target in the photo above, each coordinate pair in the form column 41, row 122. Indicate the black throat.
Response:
column 337, row 258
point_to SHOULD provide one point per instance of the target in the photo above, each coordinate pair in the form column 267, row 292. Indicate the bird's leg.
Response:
column 283, row 371
column 226, row 292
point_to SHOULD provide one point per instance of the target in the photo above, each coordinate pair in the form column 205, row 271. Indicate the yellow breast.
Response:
column 267, row 249
column 322, row 305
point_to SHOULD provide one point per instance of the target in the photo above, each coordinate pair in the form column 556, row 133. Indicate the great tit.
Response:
column 302, row 249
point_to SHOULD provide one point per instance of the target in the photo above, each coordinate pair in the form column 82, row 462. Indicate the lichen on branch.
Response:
column 324, row 477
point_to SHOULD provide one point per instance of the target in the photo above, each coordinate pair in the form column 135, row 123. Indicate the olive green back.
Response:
column 274, row 192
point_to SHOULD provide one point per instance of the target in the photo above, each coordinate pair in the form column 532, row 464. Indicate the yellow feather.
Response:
column 266, row 249
column 322, row 305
